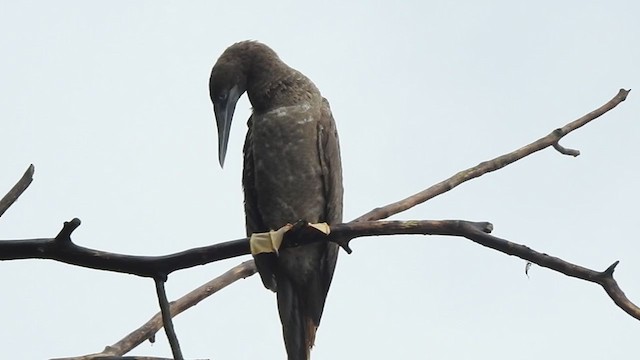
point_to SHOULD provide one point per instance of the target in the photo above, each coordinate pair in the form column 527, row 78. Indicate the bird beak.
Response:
column 224, row 114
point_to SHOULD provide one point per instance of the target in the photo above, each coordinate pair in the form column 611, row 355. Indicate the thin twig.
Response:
column 491, row 165
column 17, row 190
column 165, row 309
column 565, row 151
column 603, row 278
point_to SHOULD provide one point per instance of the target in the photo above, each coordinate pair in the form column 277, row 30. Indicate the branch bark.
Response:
column 495, row 164
column 62, row 249
column 342, row 234
column 17, row 190
column 165, row 311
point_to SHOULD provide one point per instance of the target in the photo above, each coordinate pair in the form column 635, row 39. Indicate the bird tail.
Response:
column 298, row 328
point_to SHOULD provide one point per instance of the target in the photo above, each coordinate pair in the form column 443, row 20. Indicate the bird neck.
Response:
column 279, row 86
column 268, row 81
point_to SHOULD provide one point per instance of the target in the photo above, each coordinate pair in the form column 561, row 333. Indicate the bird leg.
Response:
column 265, row 246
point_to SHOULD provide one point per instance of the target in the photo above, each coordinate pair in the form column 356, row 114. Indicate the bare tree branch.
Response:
column 603, row 278
column 494, row 164
column 344, row 233
column 62, row 249
column 165, row 310
column 17, row 190
column 151, row 327
column 479, row 233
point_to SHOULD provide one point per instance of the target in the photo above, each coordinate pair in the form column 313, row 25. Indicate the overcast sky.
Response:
column 109, row 101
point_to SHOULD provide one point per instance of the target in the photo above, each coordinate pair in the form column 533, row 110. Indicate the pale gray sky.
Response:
column 109, row 100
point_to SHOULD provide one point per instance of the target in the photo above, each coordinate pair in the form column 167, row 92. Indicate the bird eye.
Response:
column 222, row 97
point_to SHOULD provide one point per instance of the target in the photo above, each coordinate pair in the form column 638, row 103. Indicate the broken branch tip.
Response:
column 611, row 268
column 67, row 229
column 345, row 247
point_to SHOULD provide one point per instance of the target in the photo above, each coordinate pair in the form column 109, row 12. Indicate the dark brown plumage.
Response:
column 292, row 171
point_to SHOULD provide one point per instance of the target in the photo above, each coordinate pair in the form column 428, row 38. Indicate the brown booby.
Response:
column 292, row 171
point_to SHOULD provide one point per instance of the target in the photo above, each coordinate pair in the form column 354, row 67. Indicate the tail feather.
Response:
column 303, row 277
column 310, row 333
column 298, row 330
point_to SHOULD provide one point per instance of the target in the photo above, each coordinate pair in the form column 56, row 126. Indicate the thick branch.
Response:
column 494, row 164
column 17, row 190
column 342, row 234
column 62, row 249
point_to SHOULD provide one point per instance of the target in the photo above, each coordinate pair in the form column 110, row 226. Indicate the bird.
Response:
column 291, row 171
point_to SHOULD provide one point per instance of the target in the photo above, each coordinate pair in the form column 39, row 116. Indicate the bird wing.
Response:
column 265, row 263
column 302, row 296
column 329, row 150
column 304, row 273
column 331, row 164
column 253, row 219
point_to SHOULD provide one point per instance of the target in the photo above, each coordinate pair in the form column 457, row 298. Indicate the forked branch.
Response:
column 151, row 327
column 61, row 248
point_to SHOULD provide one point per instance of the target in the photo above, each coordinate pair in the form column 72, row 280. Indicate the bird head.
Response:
column 227, row 83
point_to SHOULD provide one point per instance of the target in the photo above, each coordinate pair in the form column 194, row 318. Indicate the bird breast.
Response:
column 288, row 173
